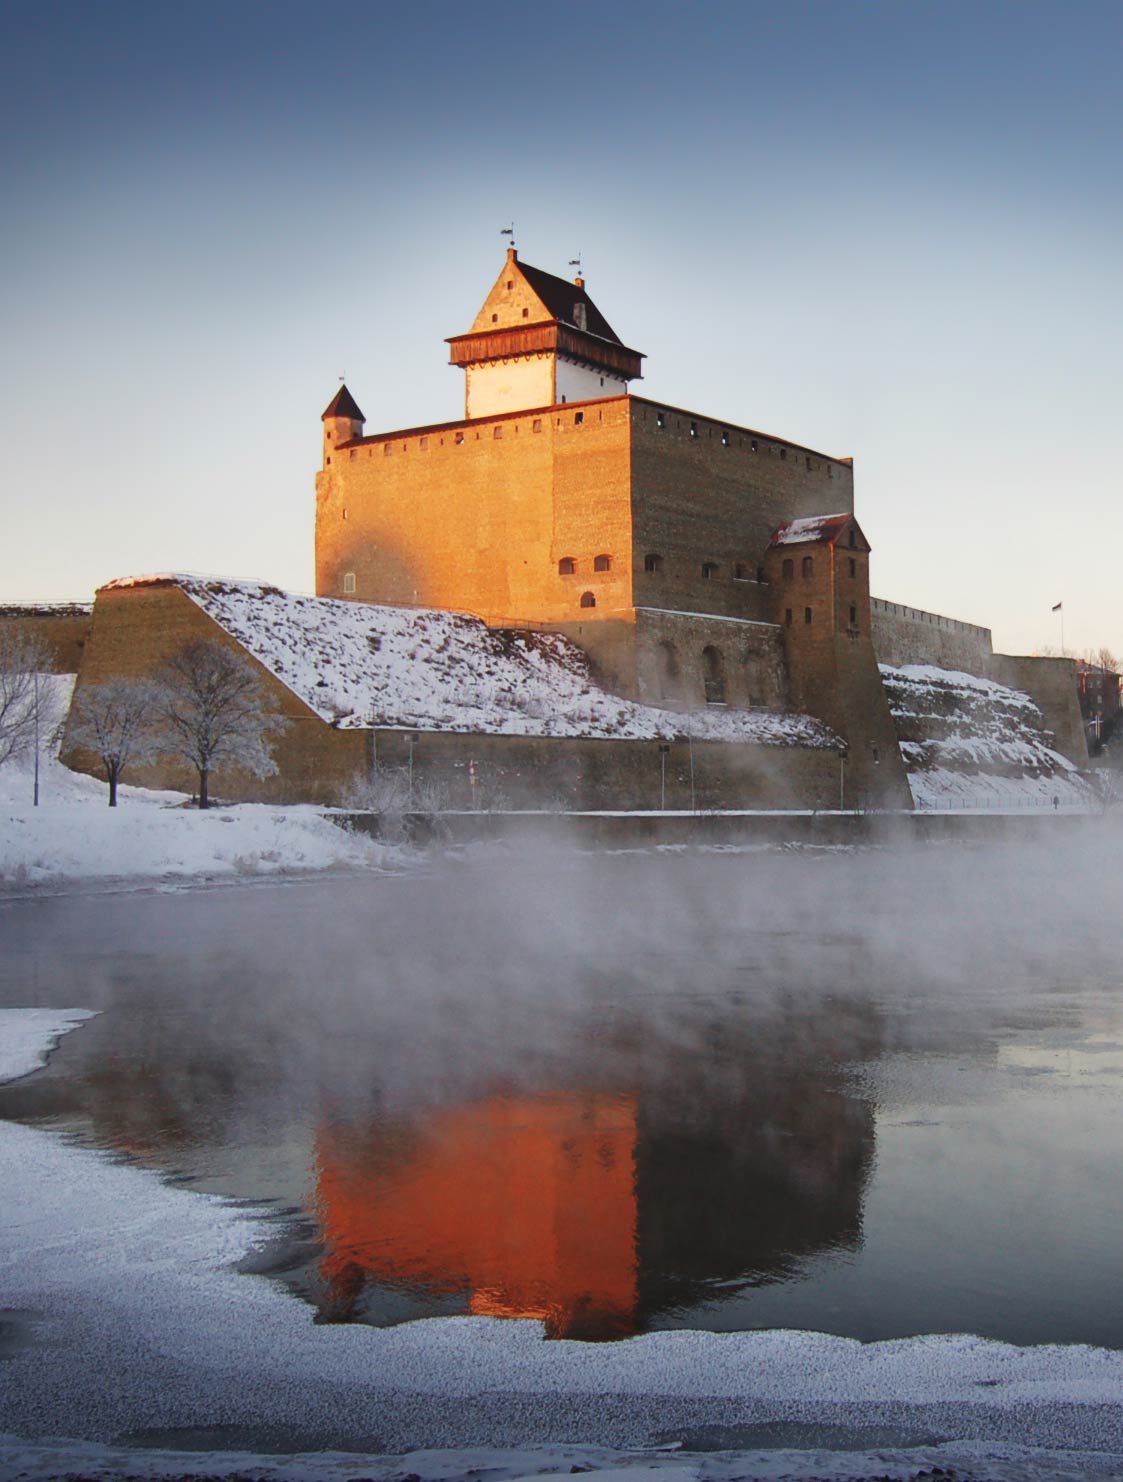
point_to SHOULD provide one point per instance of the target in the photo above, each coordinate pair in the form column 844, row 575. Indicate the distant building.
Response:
column 1099, row 700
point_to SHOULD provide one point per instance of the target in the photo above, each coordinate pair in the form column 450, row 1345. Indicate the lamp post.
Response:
column 663, row 750
column 36, row 704
column 843, row 754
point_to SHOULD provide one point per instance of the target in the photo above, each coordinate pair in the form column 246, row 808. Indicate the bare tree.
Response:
column 24, row 660
column 117, row 722
column 215, row 713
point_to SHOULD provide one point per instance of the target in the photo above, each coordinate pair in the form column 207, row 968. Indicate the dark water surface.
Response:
column 876, row 1094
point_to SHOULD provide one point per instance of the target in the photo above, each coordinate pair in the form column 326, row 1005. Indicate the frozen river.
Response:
column 869, row 1094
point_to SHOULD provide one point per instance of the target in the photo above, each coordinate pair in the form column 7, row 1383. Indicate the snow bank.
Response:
column 27, row 1036
column 359, row 665
column 971, row 742
column 74, row 834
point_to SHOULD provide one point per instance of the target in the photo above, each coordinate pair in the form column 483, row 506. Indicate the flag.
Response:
column 1058, row 607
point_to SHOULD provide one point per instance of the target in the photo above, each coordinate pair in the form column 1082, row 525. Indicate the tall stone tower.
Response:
column 539, row 341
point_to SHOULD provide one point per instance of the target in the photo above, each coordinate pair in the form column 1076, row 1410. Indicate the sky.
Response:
column 885, row 231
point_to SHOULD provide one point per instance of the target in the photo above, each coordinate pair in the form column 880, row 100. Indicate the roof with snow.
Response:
column 358, row 666
column 812, row 528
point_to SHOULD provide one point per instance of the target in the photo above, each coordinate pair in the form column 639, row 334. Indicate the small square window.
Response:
column 526, row 313
column 387, row 449
column 709, row 570
column 693, row 429
column 660, row 419
column 783, row 452
column 536, row 425
column 724, row 437
column 458, row 439
column 602, row 563
column 809, row 463
column 578, row 418
column 424, row 443
column 495, row 319
column 510, row 284
column 752, row 445
column 497, row 431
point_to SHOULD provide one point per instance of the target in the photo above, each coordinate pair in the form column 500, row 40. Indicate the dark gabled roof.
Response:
column 560, row 297
column 343, row 404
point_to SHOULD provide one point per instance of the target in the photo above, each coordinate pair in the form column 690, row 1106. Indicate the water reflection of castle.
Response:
column 592, row 1212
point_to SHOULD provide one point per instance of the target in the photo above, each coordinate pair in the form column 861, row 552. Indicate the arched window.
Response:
column 808, row 567
column 588, row 600
column 789, row 569
column 713, row 675
column 602, row 563
column 348, row 583
column 652, row 562
column 567, row 566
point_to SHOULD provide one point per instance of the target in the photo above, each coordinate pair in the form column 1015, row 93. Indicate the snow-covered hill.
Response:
column 972, row 742
column 358, row 665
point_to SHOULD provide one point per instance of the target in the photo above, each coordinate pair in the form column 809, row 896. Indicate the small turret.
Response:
column 343, row 421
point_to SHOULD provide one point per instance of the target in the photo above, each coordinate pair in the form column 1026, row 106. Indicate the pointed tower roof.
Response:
column 532, row 312
column 343, row 404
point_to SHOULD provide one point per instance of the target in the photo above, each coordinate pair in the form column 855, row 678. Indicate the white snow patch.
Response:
column 74, row 834
column 969, row 742
column 359, row 665
column 27, row 1037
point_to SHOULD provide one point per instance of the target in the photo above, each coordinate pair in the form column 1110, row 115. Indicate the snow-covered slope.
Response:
column 971, row 741
column 358, row 665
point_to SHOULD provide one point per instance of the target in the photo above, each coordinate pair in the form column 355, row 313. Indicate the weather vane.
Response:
column 575, row 262
column 508, row 231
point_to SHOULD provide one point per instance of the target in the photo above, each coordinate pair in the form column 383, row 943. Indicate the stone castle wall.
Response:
column 62, row 627
column 1051, row 684
column 707, row 492
column 136, row 629
column 907, row 635
column 476, row 516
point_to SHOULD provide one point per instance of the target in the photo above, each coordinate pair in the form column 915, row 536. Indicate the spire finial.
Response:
column 509, row 231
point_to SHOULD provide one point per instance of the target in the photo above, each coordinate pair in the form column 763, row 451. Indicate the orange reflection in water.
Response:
column 527, row 1203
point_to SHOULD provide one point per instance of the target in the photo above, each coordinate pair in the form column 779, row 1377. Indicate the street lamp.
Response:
column 663, row 750
column 843, row 756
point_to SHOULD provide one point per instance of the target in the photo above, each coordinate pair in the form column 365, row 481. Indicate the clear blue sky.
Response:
column 884, row 230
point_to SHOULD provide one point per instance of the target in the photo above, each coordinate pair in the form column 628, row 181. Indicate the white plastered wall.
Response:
column 579, row 383
column 508, row 386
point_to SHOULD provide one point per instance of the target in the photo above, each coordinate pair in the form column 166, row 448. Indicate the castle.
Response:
column 696, row 562
column 579, row 594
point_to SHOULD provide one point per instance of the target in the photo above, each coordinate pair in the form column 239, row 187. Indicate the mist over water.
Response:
column 873, row 1092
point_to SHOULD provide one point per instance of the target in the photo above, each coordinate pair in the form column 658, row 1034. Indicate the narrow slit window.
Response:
column 807, row 614
column 853, row 567
column 808, row 567
column 788, row 569
column 348, row 583
column 853, row 616
column 787, row 617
